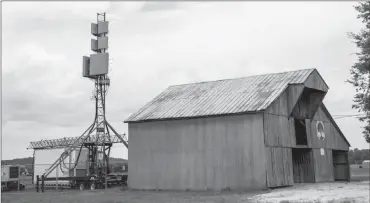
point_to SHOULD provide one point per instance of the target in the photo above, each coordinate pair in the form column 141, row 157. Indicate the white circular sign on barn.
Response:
column 320, row 130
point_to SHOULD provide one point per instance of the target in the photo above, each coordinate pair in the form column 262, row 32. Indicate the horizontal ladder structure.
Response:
column 70, row 141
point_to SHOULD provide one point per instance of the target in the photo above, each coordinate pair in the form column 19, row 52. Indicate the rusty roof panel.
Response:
column 247, row 94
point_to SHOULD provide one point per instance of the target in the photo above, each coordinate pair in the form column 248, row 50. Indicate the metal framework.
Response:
column 69, row 141
column 105, row 135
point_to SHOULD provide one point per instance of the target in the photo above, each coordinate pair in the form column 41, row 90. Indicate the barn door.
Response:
column 303, row 168
column 341, row 166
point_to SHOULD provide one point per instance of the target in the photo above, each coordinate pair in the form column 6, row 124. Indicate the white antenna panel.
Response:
column 103, row 43
column 103, row 27
column 85, row 66
column 100, row 28
column 94, row 45
column 99, row 64
column 94, row 28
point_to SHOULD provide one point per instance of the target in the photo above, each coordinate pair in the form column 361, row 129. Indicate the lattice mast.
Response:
column 95, row 67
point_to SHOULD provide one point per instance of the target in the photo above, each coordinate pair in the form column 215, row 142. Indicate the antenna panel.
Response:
column 85, row 66
column 103, row 27
column 99, row 64
column 94, row 45
column 100, row 28
column 103, row 43
column 94, row 28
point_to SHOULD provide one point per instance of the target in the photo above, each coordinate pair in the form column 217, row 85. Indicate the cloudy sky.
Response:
column 154, row 45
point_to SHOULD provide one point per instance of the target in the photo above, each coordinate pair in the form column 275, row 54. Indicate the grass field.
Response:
column 359, row 174
column 320, row 192
column 356, row 191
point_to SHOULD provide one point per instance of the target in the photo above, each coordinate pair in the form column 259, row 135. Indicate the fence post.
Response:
column 42, row 183
column 19, row 176
column 37, row 183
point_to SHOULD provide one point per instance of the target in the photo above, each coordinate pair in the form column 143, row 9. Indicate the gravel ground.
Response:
column 320, row 192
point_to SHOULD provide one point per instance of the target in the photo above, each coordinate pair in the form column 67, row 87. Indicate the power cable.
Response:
column 350, row 116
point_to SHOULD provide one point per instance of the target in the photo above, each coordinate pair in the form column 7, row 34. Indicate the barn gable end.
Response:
column 334, row 138
column 304, row 102
column 279, row 124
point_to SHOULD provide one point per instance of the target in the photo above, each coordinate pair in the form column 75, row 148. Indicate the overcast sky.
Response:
column 154, row 45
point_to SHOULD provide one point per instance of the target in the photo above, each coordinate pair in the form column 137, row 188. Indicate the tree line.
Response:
column 357, row 156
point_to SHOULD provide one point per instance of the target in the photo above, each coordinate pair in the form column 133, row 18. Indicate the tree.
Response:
column 360, row 71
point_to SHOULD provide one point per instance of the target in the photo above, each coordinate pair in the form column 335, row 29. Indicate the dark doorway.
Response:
column 303, row 168
column 300, row 131
column 341, row 166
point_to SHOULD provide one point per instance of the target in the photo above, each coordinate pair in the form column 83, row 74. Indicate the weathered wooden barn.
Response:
column 247, row 133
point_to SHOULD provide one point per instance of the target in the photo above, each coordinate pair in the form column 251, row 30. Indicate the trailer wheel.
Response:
column 92, row 186
column 82, row 186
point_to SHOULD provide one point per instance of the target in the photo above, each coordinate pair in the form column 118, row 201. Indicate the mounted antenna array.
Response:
column 97, row 64
column 95, row 67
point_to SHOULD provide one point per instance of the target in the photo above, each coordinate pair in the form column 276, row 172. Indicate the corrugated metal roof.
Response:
column 247, row 94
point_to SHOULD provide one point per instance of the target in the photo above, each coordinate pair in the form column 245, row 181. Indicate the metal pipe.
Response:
column 57, row 174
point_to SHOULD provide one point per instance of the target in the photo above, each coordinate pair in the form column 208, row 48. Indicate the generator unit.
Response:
column 72, row 167
column 11, row 175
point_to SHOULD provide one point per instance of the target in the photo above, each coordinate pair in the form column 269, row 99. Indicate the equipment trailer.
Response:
column 11, row 177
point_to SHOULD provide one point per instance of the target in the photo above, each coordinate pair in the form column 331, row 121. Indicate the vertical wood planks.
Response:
column 315, row 81
column 323, row 165
column 293, row 94
column 333, row 139
column 279, row 166
column 278, row 131
column 198, row 154
column 280, row 105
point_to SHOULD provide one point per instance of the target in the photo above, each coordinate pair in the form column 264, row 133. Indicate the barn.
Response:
column 247, row 133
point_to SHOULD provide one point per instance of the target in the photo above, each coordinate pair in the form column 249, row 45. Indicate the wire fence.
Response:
column 62, row 176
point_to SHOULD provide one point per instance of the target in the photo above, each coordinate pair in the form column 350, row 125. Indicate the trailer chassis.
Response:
column 91, row 182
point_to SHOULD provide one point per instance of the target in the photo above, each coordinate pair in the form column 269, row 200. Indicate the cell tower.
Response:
column 95, row 67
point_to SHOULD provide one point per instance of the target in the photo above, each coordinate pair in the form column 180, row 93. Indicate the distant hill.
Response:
column 21, row 161
column 113, row 160
column 29, row 161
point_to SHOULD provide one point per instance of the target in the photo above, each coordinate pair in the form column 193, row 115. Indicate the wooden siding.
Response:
column 301, row 108
column 341, row 165
column 279, row 131
column 324, row 170
column 333, row 139
column 308, row 103
column 316, row 98
column 279, row 106
column 293, row 94
column 279, row 166
column 315, row 81
column 277, row 126
column 198, row 154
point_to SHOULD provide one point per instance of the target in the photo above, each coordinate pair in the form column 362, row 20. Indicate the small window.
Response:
column 300, row 131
